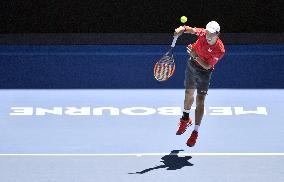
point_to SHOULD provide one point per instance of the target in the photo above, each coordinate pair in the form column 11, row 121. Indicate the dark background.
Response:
column 138, row 16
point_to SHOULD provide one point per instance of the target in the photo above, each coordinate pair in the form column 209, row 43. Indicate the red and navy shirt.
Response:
column 210, row 54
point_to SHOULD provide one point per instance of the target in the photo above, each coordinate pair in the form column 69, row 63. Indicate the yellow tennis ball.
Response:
column 183, row 19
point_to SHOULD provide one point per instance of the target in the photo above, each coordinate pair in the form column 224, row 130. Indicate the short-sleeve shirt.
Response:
column 210, row 54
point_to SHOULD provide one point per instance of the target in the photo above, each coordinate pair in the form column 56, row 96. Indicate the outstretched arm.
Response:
column 188, row 29
column 184, row 29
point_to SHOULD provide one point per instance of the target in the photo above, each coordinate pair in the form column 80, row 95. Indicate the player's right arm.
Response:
column 188, row 29
column 191, row 30
column 184, row 29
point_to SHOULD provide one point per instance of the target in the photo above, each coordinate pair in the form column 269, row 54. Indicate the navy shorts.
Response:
column 197, row 77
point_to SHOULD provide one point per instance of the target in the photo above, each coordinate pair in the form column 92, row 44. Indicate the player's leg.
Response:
column 188, row 101
column 185, row 120
column 202, row 88
column 189, row 84
column 199, row 111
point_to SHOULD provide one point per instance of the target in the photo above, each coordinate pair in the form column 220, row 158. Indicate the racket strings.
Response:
column 164, row 68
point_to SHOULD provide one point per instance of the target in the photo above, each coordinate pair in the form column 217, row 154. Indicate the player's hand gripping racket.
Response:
column 165, row 66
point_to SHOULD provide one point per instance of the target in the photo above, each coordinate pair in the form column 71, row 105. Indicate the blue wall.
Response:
column 131, row 66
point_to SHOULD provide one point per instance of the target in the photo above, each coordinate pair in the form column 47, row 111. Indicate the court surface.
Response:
column 129, row 135
column 105, row 135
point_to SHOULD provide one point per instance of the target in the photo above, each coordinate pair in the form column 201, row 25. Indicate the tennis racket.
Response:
column 165, row 67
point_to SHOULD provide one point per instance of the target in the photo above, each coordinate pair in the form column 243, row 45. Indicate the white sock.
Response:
column 186, row 111
column 196, row 127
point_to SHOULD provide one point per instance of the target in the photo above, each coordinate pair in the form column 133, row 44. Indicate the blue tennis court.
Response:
column 112, row 132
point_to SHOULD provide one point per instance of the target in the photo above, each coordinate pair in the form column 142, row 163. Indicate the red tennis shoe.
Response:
column 192, row 139
column 183, row 124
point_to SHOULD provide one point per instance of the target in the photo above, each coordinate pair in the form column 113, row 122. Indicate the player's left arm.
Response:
column 208, row 64
column 203, row 63
column 198, row 59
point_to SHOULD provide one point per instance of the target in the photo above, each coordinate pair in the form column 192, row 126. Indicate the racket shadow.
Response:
column 170, row 162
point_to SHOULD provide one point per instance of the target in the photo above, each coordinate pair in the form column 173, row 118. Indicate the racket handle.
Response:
column 174, row 41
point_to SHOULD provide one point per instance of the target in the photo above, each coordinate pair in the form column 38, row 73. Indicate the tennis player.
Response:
column 204, row 54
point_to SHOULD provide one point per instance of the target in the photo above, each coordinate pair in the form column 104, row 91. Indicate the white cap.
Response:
column 213, row 27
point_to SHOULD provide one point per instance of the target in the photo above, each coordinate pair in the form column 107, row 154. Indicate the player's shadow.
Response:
column 170, row 162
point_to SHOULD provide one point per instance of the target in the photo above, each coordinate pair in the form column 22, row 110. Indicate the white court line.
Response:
column 154, row 154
